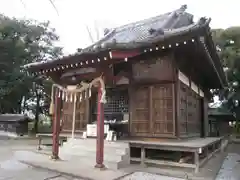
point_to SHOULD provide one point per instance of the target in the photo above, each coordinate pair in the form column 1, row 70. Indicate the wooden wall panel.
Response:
column 153, row 70
column 82, row 112
column 162, row 109
column 81, row 116
column 190, row 112
column 205, row 117
column 193, row 114
column 183, row 109
column 67, row 117
column 139, row 124
column 152, row 112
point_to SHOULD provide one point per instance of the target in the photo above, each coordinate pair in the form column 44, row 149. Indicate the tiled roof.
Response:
column 219, row 112
column 144, row 32
column 148, row 29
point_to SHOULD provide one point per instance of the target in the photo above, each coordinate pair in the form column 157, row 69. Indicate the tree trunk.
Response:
column 23, row 104
column 37, row 114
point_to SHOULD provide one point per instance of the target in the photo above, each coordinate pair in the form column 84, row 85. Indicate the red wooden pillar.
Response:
column 100, row 132
column 56, row 124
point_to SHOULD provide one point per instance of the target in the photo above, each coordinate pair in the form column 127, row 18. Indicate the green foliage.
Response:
column 44, row 126
column 237, row 128
column 22, row 42
column 229, row 42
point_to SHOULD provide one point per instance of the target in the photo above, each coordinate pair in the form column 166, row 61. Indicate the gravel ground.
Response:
column 148, row 176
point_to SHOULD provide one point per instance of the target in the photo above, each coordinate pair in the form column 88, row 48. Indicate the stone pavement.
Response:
column 230, row 169
column 12, row 169
column 85, row 170
column 11, row 151
column 148, row 176
column 74, row 166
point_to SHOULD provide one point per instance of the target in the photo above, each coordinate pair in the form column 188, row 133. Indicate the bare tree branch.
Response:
column 96, row 30
column 55, row 7
column 51, row 1
column 24, row 5
column 89, row 34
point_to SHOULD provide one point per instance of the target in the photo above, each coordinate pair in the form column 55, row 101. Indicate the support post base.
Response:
column 54, row 157
column 100, row 166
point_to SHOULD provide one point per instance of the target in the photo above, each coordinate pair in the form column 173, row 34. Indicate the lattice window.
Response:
column 117, row 102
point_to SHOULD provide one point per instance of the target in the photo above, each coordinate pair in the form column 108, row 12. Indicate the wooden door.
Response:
column 162, row 110
column 82, row 111
column 67, row 117
column 81, row 116
column 152, row 112
column 139, row 123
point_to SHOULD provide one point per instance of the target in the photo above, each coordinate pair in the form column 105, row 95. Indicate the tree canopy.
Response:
column 228, row 41
column 22, row 42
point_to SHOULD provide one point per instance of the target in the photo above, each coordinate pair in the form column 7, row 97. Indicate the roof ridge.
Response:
column 140, row 22
column 182, row 9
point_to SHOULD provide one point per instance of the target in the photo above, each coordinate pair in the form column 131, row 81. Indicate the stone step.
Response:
column 92, row 161
column 92, row 142
column 116, row 154
column 111, row 157
column 108, row 150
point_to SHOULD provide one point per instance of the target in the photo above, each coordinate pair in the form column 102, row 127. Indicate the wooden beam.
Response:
column 164, row 163
column 143, row 156
column 196, row 161
column 151, row 109
column 100, row 132
column 125, row 54
column 56, row 124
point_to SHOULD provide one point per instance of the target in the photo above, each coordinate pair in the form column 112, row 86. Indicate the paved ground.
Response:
column 148, row 176
column 230, row 169
column 11, row 169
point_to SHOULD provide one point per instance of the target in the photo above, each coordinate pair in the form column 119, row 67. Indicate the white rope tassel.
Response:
column 86, row 87
column 80, row 98
column 59, row 93
column 63, row 95
column 66, row 99
column 103, row 98
column 89, row 92
column 75, row 97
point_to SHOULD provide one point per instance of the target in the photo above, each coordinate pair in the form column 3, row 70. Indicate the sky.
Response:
column 74, row 15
